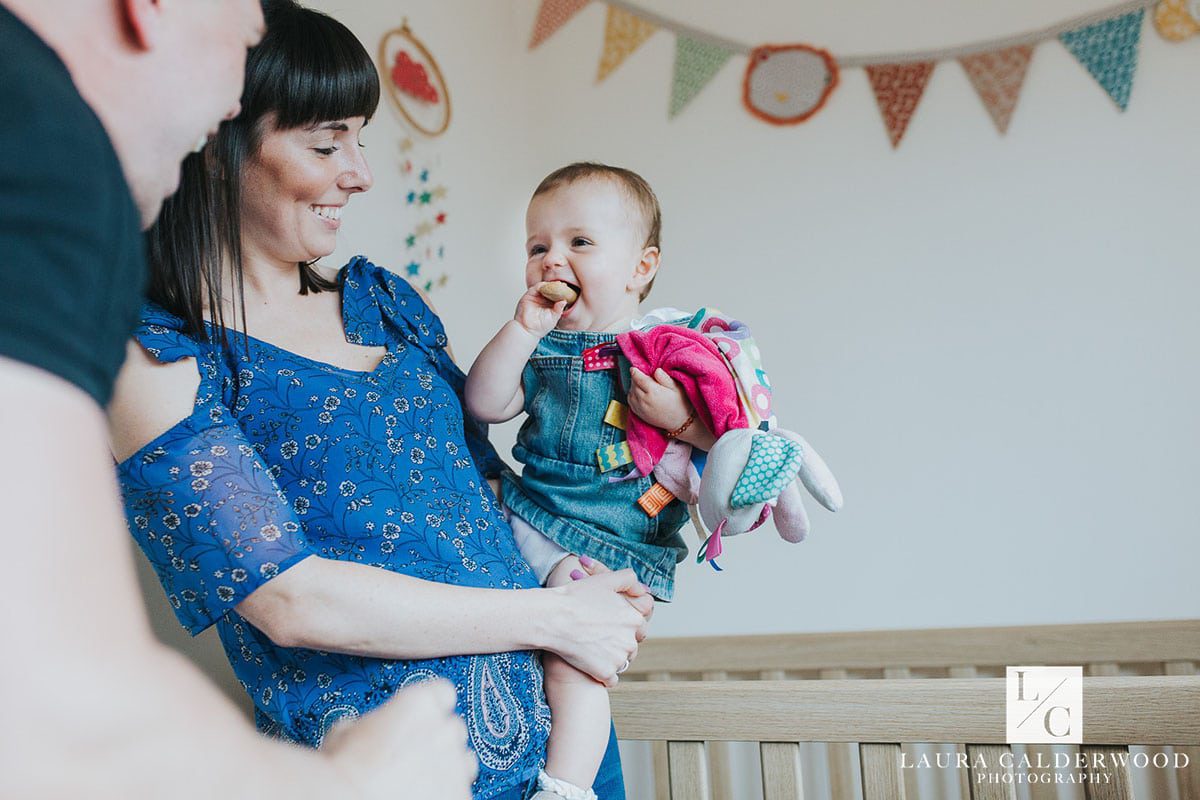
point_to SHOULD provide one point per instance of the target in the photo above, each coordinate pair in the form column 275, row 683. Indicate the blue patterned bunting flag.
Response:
column 1109, row 50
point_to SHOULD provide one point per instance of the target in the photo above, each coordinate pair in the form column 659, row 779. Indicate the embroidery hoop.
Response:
column 405, row 33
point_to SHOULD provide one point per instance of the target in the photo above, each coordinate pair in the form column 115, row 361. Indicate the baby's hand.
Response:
column 536, row 314
column 658, row 400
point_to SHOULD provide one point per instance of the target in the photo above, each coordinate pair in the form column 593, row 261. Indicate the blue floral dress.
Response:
column 285, row 457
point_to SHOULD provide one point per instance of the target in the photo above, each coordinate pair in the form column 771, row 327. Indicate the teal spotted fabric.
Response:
column 1109, row 50
column 773, row 464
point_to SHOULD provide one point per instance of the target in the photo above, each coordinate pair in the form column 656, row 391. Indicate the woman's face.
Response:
column 295, row 188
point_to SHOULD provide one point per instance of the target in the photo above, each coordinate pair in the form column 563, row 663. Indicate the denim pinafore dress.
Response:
column 562, row 491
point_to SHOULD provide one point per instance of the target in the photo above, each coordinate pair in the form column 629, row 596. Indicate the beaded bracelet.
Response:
column 676, row 433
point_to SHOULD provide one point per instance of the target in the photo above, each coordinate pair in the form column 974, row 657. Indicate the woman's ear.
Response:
column 645, row 270
column 142, row 21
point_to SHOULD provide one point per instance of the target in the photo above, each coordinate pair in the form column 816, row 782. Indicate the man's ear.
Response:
column 142, row 20
column 645, row 270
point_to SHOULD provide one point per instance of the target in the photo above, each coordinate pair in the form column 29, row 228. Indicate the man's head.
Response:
column 597, row 228
column 160, row 74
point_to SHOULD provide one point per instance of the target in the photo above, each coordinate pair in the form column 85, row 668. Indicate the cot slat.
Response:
column 1113, row 783
column 1114, row 780
column 881, row 778
column 1042, row 791
column 911, row 752
column 840, row 755
column 719, row 769
column 1189, row 776
column 781, row 771
column 990, row 784
column 689, row 773
column 964, row 775
column 662, row 767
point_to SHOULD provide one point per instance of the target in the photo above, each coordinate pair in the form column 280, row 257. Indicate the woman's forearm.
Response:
column 362, row 610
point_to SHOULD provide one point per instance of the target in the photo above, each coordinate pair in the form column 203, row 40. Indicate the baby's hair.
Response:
column 634, row 186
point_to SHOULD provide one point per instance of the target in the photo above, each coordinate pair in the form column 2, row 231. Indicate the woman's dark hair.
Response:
column 308, row 69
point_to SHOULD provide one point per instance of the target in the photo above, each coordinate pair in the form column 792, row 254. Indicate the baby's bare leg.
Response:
column 579, row 712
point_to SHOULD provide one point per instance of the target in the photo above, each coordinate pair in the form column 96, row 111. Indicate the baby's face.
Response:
column 588, row 234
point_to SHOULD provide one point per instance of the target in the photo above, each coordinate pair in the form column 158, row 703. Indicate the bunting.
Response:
column 552, row 15
column 898, row 89
column 997, row 78
column 696, row 63
column 788, row 84
column 1109, row 51
column 623, row 33
column 1176, row 20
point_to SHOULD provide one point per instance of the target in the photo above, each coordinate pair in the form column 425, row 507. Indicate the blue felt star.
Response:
column 413, row 268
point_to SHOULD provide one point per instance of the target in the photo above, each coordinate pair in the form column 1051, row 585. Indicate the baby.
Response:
column 592, row 254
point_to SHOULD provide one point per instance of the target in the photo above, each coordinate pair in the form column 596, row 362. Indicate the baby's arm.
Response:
column 494, row 392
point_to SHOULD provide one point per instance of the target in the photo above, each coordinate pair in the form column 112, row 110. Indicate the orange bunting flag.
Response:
column 553, row 15
column 898, row 89
column 623, row 33
column 997, row 77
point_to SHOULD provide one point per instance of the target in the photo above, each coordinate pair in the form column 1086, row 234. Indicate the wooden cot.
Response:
column 876, row 696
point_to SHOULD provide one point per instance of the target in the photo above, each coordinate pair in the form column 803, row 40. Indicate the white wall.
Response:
column 990, row 339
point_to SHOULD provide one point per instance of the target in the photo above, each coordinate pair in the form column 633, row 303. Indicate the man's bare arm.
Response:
column 94, row 706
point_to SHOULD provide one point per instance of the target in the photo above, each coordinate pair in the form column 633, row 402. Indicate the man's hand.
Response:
column 414, row 745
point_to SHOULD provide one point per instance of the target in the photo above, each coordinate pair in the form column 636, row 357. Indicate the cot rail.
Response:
column 878, row 700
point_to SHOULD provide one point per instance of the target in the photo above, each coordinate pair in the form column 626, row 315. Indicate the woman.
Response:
column 293, row 453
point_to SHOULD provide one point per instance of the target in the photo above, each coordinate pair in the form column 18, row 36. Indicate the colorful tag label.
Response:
column 613, row 456
column 617, row 414
column 655, row 499
column 600, row 357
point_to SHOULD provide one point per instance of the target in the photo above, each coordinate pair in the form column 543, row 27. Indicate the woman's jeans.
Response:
column 609, row 785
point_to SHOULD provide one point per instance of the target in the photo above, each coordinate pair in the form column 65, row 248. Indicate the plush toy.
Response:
column 751, row 475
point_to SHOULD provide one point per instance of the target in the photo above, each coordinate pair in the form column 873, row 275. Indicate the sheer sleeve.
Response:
column 201, row 503
column 399, row 306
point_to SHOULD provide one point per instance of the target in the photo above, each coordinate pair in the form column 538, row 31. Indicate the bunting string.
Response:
column 786, row 84
column 904, row 57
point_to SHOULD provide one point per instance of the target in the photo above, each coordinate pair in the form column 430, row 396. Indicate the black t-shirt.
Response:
column 72, row 268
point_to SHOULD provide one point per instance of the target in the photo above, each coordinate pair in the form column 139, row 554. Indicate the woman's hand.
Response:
column 536, row 314
column 642, row 601
column 596, row 628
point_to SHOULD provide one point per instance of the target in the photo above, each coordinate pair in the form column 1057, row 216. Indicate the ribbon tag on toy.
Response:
column 600, row 357
column 773, row 463
column 613, row 456
column 711, row 548
column 617, row 414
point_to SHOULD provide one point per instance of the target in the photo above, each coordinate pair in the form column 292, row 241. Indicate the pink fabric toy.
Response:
column 697, row 365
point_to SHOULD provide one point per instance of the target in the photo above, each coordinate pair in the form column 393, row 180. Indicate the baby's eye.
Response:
column 325, row 151
column 537, row 249
column 579, row 241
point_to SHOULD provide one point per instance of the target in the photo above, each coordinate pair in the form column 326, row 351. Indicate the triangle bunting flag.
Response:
column 898, row 89
column 997, row 77
column 623, row 33
column 1109, row 51
column 552, row 15
column 696, row 62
